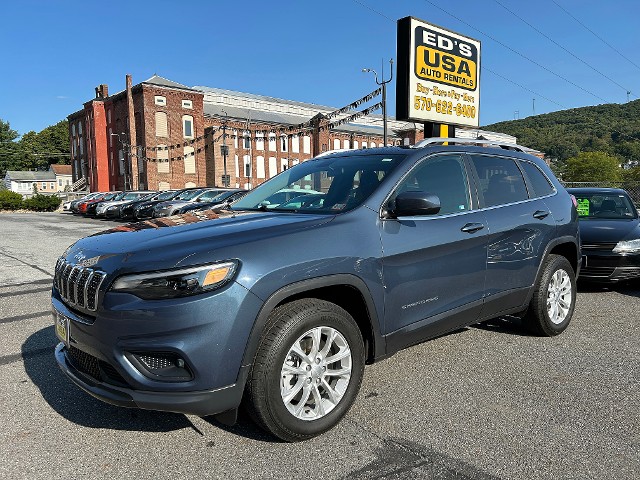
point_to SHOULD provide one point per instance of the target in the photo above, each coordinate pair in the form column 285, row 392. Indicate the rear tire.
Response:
column 307, row 370
column 554, row 298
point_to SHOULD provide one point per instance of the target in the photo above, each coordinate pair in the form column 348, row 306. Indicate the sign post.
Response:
column 438, row 77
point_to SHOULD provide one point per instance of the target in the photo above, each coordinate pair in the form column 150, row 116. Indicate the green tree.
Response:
column 593, row 167
column 8, row 148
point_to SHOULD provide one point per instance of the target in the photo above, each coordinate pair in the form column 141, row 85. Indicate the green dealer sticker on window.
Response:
column 583, row 207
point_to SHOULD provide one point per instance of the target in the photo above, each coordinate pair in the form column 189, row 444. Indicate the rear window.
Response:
column 537, row 180
column 500, row 180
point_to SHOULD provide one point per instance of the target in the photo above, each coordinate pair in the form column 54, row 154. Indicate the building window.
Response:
column 284, row 143
column 164, row 186
column 364, row 144
column 163, row 160
column 295, row 144
column 79, row 128
column 284, row 164
column 189, row 185
column 273, row 167
column 260, row 141
column 355, row 144
column 336, row 144
column 59, row 182
column 109, row 116
column 159, row 100
column 247, row 140
column 189, row 160
column 52, row 186
column 187, row 125
column 260, row 173
column 44, row 186
column 235, row 138
column 162, row 129
column 306, row 144
column 247, row 166
column 237, row 166
column 406, row 141
column 272, row 142
column 373, row 144
column 187, row 104
column 73, row 129
column 346, row 145
column 121, row 161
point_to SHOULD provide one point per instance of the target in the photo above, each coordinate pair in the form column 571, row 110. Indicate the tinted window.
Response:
column 443, row 176
column 500, row 180
column 346, row 180
column 537, row 179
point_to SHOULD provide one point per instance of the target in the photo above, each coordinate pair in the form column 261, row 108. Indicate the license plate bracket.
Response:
column 61, row 324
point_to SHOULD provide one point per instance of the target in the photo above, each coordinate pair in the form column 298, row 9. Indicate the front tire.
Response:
column 554, row 298
column 307, row 370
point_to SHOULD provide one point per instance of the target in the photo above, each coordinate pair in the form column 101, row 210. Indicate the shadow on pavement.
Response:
column 630, row 287
column 79, row 407
column 507, row 325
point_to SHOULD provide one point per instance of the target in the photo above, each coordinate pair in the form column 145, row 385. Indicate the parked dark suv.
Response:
column 280, row 308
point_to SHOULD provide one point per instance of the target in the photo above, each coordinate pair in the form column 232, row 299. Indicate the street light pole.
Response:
column 383, row 83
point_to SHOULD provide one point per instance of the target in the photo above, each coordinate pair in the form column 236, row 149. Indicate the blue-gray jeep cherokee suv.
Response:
column 280, row 307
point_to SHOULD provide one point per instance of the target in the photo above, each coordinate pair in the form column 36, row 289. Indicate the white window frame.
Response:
column 185, row 119
column 160, row 100
column 306, row 144
column 260, row 141
column 272, row 142
column 187, row 104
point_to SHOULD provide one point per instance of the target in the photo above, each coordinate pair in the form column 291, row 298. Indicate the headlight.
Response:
column 114, row 207
column 628, row 246
column 176, row 283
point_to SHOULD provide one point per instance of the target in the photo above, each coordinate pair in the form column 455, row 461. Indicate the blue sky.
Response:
column 56, row 52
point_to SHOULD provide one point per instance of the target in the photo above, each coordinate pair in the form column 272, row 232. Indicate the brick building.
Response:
column 160, row 134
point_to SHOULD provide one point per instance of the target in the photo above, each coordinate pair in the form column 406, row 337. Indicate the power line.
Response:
column 516, row 52
column 560, row 46
column 373, row 10
column 596, row 35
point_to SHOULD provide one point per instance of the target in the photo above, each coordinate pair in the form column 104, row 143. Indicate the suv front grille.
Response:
column 78, row 285
column 90, row 365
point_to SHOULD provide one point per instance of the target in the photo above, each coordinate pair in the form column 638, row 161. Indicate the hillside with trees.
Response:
column 34, row 150
column 611, row 130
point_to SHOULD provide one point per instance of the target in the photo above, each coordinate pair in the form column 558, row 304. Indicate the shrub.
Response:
column 42, row 203
column 10, row 200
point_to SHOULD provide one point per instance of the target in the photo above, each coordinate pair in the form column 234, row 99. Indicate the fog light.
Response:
column 165, row 366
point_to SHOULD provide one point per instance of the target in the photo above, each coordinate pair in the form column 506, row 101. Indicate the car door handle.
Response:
column 540, row 214
column 472, row 227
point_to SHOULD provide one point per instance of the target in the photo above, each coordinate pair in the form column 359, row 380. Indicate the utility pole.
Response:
column 534, row 107
column 225, row 151
column 383, row 83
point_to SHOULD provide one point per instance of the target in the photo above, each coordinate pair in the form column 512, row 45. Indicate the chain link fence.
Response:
column 632, row 188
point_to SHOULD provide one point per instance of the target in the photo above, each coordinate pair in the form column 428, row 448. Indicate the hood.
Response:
column 187, row 239
column 609, row 230
column 173, row 203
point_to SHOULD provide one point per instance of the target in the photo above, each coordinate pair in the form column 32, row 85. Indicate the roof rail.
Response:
column 470, row 141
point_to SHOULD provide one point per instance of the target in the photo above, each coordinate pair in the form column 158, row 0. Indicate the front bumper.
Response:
column 607, row 266
column 102, row 352
column 202, row 403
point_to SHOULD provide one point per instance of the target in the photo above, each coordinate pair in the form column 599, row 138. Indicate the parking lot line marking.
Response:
column 27, row 316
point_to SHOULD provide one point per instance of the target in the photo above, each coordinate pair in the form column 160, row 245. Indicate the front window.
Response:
column 604, row 205
column 338, row 182
column 189, row 195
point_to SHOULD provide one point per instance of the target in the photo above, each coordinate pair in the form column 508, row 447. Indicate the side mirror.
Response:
column 409, row 204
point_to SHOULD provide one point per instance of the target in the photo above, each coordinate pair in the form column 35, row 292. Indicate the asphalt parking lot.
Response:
column 486, row 402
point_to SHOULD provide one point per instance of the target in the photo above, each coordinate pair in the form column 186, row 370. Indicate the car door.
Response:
column 434, row 265
column 521, row 226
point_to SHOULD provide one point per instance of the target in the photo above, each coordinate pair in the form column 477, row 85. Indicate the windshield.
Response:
column 168, row 195
column 111, row 196
column 131, row 196
column 188, row 195
column 342, row 182
column 215, row 195
column 604, row 205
